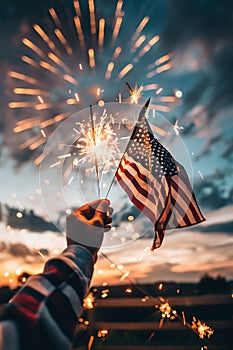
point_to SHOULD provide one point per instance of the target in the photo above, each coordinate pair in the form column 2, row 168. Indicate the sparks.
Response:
column 202, row 329
column 90, row 342
column 39, row 253
column 102, row 333
column 136, row 93
column 103, row 144
column 177, row 128
column 43, row 133
column 201, row 175
column 67, row 155
column 88, row 302
column 166, row 310
column 55, row 164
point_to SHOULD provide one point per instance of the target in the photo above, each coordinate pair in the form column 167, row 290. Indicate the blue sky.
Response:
column 198, row 35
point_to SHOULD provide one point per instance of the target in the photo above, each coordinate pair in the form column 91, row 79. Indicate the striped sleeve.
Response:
column 46, row 309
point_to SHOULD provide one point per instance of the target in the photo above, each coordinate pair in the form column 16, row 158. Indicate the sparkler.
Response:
column 97, row 141
column 135, row 93
column 52, row 57
column 166, row 311
column 202, row 329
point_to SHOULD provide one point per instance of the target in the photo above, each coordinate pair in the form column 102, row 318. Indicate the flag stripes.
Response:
column 155, row 183
column 142, row 190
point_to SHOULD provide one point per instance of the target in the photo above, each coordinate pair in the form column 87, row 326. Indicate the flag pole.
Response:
column 115, row 173
column 145, row 106
column 96, row 159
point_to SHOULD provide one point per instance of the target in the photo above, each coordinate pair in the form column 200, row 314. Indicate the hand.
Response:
column 87, row 224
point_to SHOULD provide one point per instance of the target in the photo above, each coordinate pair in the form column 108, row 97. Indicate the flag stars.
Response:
column 149, row 152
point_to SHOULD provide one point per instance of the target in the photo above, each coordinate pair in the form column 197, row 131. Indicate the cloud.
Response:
column 195, row 93
column 223, row 227
column 22, row 250
column 184, row 256
column 19, row 249
column 208, row 20
column 214, row 190
column 211, row 195
column 228, row 151
column 28, row 220
column 209, row 143
column 199, row 35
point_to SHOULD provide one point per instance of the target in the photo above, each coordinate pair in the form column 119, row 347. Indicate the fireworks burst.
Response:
column 201, row 328
column 69, row 67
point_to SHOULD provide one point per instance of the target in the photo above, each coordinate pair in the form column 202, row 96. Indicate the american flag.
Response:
column 156, row 183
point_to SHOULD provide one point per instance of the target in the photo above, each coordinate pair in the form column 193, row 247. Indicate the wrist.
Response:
column 92, row 250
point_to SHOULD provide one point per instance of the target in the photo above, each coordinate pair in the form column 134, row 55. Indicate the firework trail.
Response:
column 80, row 58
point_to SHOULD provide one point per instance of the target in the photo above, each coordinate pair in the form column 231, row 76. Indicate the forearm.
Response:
column 47, row 307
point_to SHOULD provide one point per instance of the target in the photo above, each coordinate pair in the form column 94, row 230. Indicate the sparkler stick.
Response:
column 129, row 87
column 96, row 159
column 115, row 174
column 144, row 107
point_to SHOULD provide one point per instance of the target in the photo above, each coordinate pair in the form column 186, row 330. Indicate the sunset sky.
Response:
column 188, row 55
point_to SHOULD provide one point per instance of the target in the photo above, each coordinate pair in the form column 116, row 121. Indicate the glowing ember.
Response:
column 88, row 302
column 102, row 333
column 166, row 310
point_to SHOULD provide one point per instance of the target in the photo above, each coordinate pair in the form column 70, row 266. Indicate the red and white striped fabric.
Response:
column 155, row 183
column 44, row 312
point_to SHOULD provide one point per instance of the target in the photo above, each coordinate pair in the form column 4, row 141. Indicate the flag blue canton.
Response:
column 149, row 151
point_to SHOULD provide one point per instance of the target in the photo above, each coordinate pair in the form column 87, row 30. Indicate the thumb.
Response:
column 100, row 212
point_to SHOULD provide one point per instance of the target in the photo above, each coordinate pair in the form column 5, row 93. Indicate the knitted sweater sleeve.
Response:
column 45, row 310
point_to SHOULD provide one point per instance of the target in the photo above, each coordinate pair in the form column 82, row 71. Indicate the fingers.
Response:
column 110, row 211
column 88, row 210
column 97, row 213
column 107, row 223
column 103, row 205
column 86, row 225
